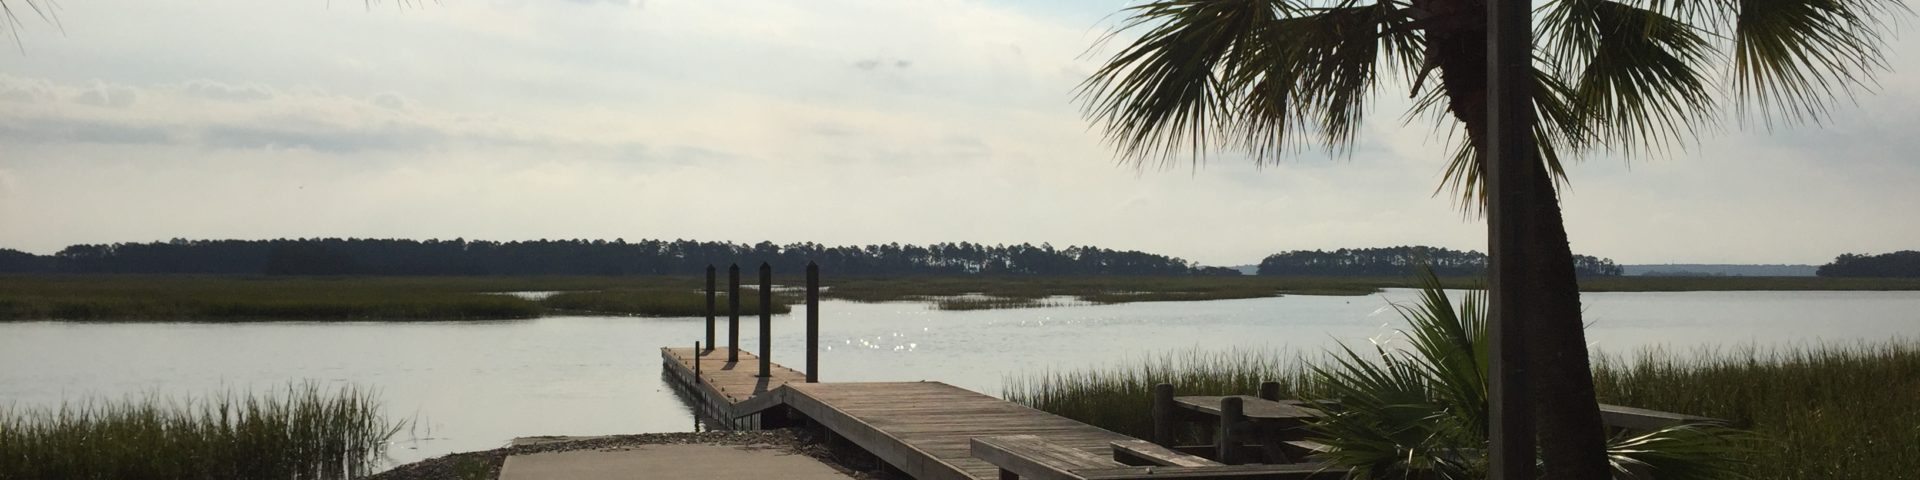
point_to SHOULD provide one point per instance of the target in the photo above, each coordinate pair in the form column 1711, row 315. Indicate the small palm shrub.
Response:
column 1420, row 410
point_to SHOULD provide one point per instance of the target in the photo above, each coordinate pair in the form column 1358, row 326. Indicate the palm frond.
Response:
column 1791, row 57
column 1259, row 76
column 1704, row 452
column 1422, row 412
column 47, row 10
column 1638, row 76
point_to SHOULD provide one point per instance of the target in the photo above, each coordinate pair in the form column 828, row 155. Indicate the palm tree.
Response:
column 1267, row 78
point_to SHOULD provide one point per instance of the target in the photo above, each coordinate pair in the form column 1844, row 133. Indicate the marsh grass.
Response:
column 258, row 298
column 1836, row 411
column 1119, row 398
column 988, row 292
column 229, row 299
column 661, row 303
column 303, row 433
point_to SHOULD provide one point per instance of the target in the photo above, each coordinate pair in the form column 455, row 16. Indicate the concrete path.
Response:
column 669, row 461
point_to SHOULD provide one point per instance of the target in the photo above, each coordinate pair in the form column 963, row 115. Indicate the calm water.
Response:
column 474, row 385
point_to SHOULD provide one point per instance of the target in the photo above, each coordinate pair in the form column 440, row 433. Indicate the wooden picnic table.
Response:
column 1254, row 408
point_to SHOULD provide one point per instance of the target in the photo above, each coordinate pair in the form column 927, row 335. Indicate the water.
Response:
column 475, row 385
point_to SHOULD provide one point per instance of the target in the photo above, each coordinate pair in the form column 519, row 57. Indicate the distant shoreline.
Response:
column 120, row 298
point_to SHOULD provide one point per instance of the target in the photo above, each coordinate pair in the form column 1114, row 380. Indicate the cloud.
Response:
column 219, row 115
column 70, row 130
column 213, row 90
column 21, row 90
column 390, row 100
column 337, row 139
column 882, row 63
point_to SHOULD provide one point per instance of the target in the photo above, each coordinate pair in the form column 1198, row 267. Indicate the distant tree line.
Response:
column 1399, row 261
column 1904, row 263
column 366, row 256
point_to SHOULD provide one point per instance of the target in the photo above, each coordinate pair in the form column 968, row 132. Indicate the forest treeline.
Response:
column 1904, row 263
column 1398, row 261
column 365, row 256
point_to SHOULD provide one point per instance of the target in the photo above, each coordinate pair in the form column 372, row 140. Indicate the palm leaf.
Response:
column 1637, row 75
column 1792, row 56
column 1251, row 75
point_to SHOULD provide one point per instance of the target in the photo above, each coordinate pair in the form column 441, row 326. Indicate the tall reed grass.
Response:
column 1118, row 398
column 304, row 433
column 1831, row 411
column 1823, row 412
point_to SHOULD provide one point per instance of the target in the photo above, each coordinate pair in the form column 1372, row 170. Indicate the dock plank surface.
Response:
column 924, row 428
column 737, row 382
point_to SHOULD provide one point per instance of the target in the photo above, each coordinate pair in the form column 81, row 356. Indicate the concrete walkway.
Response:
column 669, row 461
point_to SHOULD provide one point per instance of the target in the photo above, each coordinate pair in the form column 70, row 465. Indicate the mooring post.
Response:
column 709, row 309
column 1233, row 419
column 696, row 363
column 733, row 313
column 1270, row 391
column 766, row 319
column 813, row 322
column 1163, row 414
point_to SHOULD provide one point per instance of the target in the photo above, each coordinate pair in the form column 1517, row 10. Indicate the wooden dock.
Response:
column 920, row 428
column 723, row 387
column 927, row 430
column 924, row 428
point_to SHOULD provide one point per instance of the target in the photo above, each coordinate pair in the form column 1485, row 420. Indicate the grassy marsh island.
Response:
column 301, row 432
column 347, row 298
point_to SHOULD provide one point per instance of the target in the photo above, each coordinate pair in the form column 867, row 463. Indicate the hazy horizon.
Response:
column 836, row 122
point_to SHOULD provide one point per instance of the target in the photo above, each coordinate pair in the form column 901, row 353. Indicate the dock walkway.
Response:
column 723, row 388
column 921, row 428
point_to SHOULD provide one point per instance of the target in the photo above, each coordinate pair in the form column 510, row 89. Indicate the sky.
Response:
column 831, row 121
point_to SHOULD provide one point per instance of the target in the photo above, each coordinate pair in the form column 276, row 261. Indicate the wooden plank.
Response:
column 1641, row 419
column 926, row 429
column 1156, row 454
column 1297, row 471
column 1030, row 457
column 727, row 391
column 1255, row 408
column 913, row 461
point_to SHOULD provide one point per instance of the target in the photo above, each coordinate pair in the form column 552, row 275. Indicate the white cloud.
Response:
column 838, row 121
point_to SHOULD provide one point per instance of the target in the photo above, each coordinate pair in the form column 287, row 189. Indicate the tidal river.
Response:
column 475, row 385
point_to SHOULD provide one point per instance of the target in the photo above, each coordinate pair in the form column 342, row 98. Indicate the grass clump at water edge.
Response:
column 307, row 433
column 1821, row 412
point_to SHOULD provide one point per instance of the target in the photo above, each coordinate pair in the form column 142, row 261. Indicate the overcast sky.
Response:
column 833, row 121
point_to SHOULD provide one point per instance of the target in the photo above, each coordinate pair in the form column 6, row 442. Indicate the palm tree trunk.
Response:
column 1572, row 441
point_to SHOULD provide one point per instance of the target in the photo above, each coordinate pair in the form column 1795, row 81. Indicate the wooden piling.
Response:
column 1233, row 421
column 710, row 295
column 813, row 322
column 1270, row 391
column 1163, row 414
column 1510, row 166
column 766, row 318
column 733, row 313
column 696, row 359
